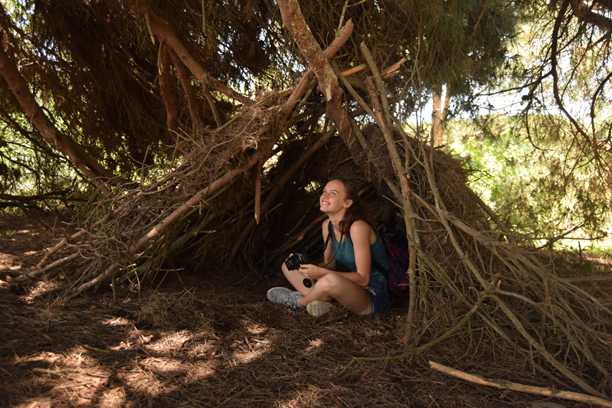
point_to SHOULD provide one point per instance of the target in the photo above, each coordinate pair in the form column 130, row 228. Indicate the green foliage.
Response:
column 544, row 191
column 29, row 167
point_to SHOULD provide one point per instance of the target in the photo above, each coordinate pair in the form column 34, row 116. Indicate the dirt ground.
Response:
column 203, row 346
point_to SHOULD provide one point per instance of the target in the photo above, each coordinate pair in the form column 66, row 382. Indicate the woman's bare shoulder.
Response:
column 360, row 227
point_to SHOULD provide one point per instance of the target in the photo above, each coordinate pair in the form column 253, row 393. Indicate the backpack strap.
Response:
column 330, row 230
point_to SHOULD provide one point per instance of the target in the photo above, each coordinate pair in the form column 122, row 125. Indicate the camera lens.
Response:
column 307, row 282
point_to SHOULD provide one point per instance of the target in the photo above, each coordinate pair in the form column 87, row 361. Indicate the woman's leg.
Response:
column 296, row 279
column 346, row 292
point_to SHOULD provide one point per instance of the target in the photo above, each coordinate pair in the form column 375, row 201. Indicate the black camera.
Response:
column 294, row 261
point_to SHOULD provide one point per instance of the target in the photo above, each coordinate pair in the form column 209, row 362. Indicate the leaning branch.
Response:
column 530, row 389
column 328, row 82
column 166, row 33
column 163, row 226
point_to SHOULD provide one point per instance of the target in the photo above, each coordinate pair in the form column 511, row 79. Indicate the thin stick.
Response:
column 387, row 73
column 57, row 247
column 382, row 117
column 530, row 389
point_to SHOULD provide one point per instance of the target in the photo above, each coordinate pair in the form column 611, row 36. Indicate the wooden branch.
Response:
column 177, row 214
column 304, row 83
column 167, row 87
column 192, row 105
column 364, row 144
column 387, row 72
column 382, row 115
column 378, row 81
column 584, row 13
column 279, row 186
column 58, row 246
column 213, row 107
column 166, row 33
column 405, row 189
column 530, row 389
column 54, row 264
column 326, row 78
column 443, row 216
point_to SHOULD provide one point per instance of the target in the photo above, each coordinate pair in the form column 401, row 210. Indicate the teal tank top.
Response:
column 344, row 255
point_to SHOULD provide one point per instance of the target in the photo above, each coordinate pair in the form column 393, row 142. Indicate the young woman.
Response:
column 357, row 281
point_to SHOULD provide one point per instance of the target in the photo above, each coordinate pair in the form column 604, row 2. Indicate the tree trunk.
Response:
column 438, row 114
column 19, row 88
column 167, row 88
column 192, row 104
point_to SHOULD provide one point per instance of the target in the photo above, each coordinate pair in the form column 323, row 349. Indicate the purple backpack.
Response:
column 396, row 245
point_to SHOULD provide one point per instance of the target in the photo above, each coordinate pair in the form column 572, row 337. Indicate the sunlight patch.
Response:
column 40, row 289
column 171, row 342
column 314, row 345
column 308, row 397
column 243, row 357
column 146, row 382
column 116, row 321
column 198, row 372
column 202, row 348
column 41, row 402
column 254, row 328
column 163, row 365
column 249, row 350
column 73, row 376
column 113, row 397
column 47, row 357
column 155, row 375
column 78, row 356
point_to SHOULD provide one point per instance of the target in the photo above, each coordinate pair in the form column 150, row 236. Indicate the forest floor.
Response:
column 202, row 346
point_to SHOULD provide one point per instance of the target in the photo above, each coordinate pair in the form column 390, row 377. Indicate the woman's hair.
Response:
column 356, row 211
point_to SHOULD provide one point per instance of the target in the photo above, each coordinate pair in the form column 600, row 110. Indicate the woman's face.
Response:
column 334, row 198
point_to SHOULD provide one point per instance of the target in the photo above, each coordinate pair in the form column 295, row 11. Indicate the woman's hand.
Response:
column 312, row 271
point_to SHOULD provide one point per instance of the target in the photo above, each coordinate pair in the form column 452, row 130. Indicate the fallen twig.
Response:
column 530, row 389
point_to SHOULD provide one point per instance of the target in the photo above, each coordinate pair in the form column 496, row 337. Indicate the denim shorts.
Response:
column 379, row 294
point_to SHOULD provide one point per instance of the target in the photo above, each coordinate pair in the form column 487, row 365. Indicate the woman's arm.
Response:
column 360, row 235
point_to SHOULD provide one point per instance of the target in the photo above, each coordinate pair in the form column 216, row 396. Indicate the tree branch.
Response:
column 585, row 13
column 530, row 389
column 166, row 33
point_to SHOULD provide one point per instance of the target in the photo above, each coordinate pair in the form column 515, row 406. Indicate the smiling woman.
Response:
column 353, row 272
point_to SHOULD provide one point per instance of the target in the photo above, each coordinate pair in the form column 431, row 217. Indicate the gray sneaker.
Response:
column 283, row 296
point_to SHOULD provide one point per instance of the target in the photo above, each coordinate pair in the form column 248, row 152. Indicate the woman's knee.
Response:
column 330, row 283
